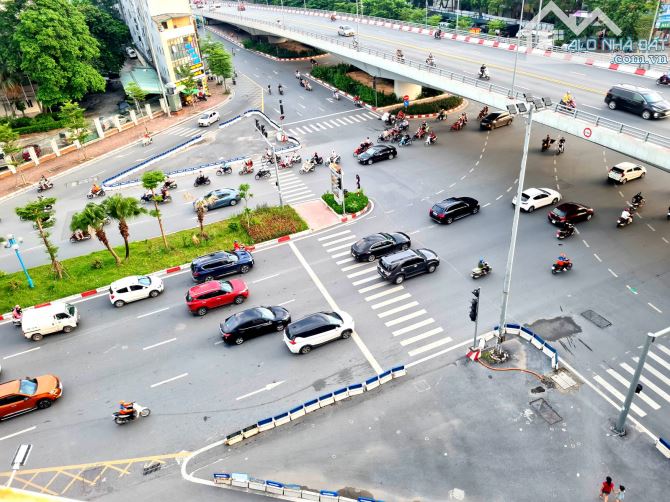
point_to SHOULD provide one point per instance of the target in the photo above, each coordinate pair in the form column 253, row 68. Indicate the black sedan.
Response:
column 571, row 212
column 496, row 119
column 378, row 245
column 376, row 153
column 254, row 322
column 453, row 208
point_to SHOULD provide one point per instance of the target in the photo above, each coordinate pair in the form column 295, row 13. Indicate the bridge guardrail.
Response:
column 581, row 115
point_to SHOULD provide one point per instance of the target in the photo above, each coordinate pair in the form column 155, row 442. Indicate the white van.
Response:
column 49, row 319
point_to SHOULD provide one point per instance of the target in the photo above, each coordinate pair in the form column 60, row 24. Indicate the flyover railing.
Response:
column 409, row 26
column 589, row 118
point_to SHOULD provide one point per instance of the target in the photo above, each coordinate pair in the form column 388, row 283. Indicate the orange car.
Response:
column 26, row 394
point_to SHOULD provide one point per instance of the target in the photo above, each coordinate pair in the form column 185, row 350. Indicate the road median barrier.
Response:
column 664, row 447
column 526, row 334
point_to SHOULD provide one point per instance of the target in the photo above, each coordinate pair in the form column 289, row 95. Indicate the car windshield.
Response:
column 28, row 387
column 231, row 323
column 144, row 281
column 558, row 212
column 617, row 170
column 493, row 116
column 652, row 97
column 70, row 310
column 226, row 287
column 438, row 209
column 332, row 318
column 204, row 116
column 524, row 197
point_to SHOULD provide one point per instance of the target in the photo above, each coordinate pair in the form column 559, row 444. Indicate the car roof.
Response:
column 626, row 165
column 308, row 322
column 126, row 281
column 210, row 257
column 10, row 387
column 450, row 201
column 631, row 87
column 568, row 205
column 206, row 287
column 536, row 191
column 401, row 256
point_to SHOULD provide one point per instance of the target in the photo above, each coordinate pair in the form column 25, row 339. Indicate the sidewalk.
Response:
column 49, row 168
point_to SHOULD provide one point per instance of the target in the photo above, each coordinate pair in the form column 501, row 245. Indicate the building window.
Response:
column 164, row 25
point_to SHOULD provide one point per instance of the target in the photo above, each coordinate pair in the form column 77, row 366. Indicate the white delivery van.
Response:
column 49, row 319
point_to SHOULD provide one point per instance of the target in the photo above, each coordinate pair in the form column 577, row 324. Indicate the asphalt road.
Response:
column 540, row 75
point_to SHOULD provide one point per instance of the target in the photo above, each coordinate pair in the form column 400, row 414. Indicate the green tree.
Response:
column 496, row 24
column 136, row 95
column 41, row 213
column 186, row 79
column 10, row 145
column 464, row 22
column 111, row 33
column 150, row 181
column 72, row 116
column 93, row 218
column 220, row 63
column 200, row 211
column 245, row 194
column 122, row 209
column 57, row 51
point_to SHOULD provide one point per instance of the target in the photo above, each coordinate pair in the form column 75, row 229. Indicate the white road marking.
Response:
column 651, row 228
column 21, row 353
column 618, row 395
column 509, row 189
column 499, row 197
column 346, row 260
column 384, row 293
column 437, row 354
column 577, row 73
column 631, row 290
column 659, row 360
column 654, row 371
column 412, row 327
column 591, row 106
column 158, row 344
column 462, row 177
column 391, row 301
column 586, row 243
column 370, row 288
column 269, row 386
column 648, row 383
column 404, row 318
column 471, row 169
column 428, row 347
column 438, row 193
column 395, row 310
column 357, row 265
column 487, row 204
column 169, row 380
column 621, row 193
column 367, row 279
column 152, row 313
column 422, row 336
column 653, row 404
column 285, row 303
column 368, row 270
column 336, row 248
column 338, row 255
column 415, row 232
column 665, row 240
column 341, row 239
column 452, row 185
column 597, row 257
column 655, row 308
column 19, row 432
column 331, row 302
column 264, row 278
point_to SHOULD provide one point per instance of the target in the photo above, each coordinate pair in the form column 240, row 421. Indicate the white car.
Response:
column 345, row 31
column 626, row 171
column 208, row 118
column 131, row 53
column 316, row 329
column 133, row 288
column 534, row 198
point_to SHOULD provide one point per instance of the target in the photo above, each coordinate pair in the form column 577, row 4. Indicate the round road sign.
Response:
column 587, row 132
column 405, row 97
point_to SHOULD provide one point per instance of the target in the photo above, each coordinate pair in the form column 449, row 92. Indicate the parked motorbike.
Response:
column 555, row 269
column 138, row 412
column 201, row 180
column 78, row 238
column 262, row 173
column 99, row 193
column 478, row 272
column 41, row 187
column 224, row 169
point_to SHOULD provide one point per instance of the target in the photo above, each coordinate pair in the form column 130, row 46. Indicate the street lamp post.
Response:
column 516, row 52
column 458, row 11
column 620, row 427
column 13, row 243
column 274, row 161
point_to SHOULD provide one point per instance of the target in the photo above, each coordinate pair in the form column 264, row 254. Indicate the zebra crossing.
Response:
column 409, row 325
column 293, row 189
column 332, row 123
column 185, row 131
column 655, row 380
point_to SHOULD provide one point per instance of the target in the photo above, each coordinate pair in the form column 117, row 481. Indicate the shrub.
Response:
column 278, row 51
column 353, row 201
column 272, row 222
column 337, row 76
column 233, row 226
column 96, row 264
column 13, row 285
column 435, row 106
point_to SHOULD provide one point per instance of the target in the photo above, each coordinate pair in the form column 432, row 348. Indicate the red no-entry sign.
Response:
column 587, row 132
column 405, row 97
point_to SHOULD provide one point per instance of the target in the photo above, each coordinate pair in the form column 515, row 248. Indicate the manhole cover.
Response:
column 543, row 409
column 596, row 319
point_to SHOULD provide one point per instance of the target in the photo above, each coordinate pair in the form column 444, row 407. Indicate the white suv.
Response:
column 133, row 288
column 626, row 171
column 316, row 329
column 208, row 118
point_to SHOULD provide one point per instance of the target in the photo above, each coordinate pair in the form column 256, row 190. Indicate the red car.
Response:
column 572, row 212
column 213, row 294
column 26, row 394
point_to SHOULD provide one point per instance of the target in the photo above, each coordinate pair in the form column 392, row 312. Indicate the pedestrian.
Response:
column 358, row 182
column 620, row 494
column 269, row 89
column 606, row 489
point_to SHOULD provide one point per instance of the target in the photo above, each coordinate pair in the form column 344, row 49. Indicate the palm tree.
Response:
column 121, row 209
column 201, row 208
column 41, row 213
column 150, row 181
column 93, row 217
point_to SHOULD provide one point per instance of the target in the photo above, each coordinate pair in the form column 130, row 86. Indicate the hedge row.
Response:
column 278, row 51
column 38, row 123
column 434, row 106
column 337, row 77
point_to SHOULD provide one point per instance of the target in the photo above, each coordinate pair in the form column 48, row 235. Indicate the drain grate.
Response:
column 596, row 319
column 543, row 409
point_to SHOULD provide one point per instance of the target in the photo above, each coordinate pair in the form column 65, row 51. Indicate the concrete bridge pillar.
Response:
column 401, row 89
column 276, row 40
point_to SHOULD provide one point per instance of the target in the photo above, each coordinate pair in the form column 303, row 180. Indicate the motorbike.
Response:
column 663, row 80
column 437, row 34
column 246, row 170
column 638, row 200
column 138, row 412
column 201, row 180
column 295, row 158
column 147, row 198
column 478, row 272
column 406, row 140
column 308, row 86
column 484, row 75
column 268, row 158
column 624, row 222
column 169, row 184
column 262, row 173
column 336, row 96
column 16, row 317
column 458, row 125
column 564, row 233
column 546, row 144
column 99, row 193
column 430, row 139
column 334, row 159
column 307, row 167
column 358, row 103
column 569, row 104
column 420, row 133
column 224, row 169
column 430, row 62
column 560, row 147
column 317, row 160
column 361, row 148
column 76, row 238
column 556, row 269
column 281, row 90
column 483, row 113
column 402, row 125
column 147, row 140
column 284, row 164
column 46, row 221
column 440, row 117
column 44, row 186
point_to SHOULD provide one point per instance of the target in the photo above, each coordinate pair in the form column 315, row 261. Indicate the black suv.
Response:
column 215, row 265
column 398, row 266
column 453, row 208
column 639, row 100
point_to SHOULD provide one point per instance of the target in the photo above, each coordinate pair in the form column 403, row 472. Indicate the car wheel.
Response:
column 370, row 162
column 404, row 247
column 646, row 114
column 209, row 278
column 449, row 221
column 306, row 349
column 233, row 202
column 611, row 105
column 530, row 209
column 119, row 303
column 280, row 327
column 239, row 340
column 67, row 329
column 239, row 299
column 431, row 268
column 36, row 337
column 201, row 311
column 554, row 201
column 244, row 269
column 588, row 217
column 154, row 293
column 624, row 180
column 371, row 258
column 399, row 279
column 475, row 210
column 643, row 175
column 391, row 157
column 43, row 404
column 346, row 334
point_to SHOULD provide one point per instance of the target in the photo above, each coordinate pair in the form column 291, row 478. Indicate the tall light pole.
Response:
column 426, row 19
column 13, row 243
column 274, row 161
column 458, row 11
column 537, row 24
column 516, row 52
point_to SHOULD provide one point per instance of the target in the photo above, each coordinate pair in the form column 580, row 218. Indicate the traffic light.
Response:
column 339, row 182
column 474, row 305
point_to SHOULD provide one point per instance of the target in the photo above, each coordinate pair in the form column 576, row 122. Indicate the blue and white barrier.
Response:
column 664, row 447
column 535, row 340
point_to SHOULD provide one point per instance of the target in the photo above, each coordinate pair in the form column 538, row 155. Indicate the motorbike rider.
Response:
column 17, row 312
column 201, row 178
column 297, row 74
column 399, row 55
column 568, row 228
column 95, row 189
column 442, row 115
column 664, row 79
column 546, row 142
column 438, row 33
column 280, row 89
column 562, row 261
column 43, row 183
column 483, row 70
column 357, row 100
column 332, row 17
column 561, row 144
column 386, row 118
column 126, row 408
column 626, row 215
column 567, row 100
column 333, row 155
column 430, row 61
column 637, row 198
column 432, row 137
column 315, row 158
column 308, row 86
column 400, row 115
column 336, row 95
column 164, row 193
column 78, row 234
column 236, row 246
column 483, row 265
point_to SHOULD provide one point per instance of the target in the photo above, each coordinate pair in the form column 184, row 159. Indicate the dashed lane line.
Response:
column 264, row 278
column 632, row 290
column 169, row 380
column 655, row 308
column 586, row 243
column 597, row 257
column 18, row 433
column 152, row 313
column 149, row 347
column 21, row 353
column 612, row 272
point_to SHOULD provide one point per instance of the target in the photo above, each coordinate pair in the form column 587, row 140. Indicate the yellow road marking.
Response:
column 74, row 478
column 50, row 481
column 125, row 471
column 570, row 85
column 32, row 477
column 38, row 487
column 101, row 473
